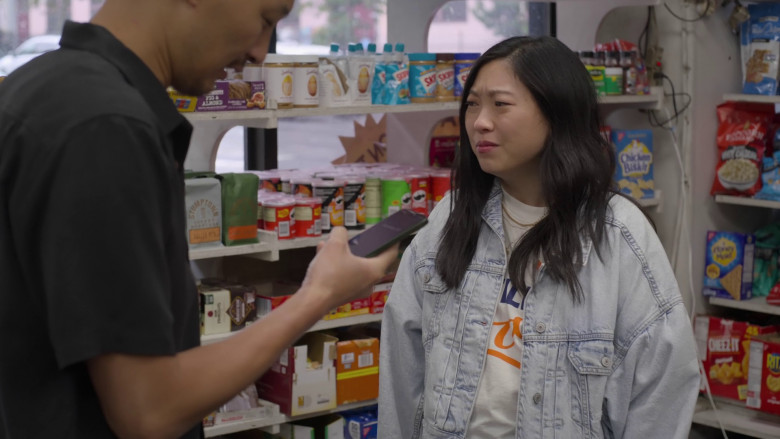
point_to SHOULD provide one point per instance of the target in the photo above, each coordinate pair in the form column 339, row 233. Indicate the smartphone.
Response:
column 387, row 232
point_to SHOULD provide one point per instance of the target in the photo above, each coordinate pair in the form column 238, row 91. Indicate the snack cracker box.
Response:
column 357, row 370
column 728, row 265
column 303, row 379
column 634, row 156
column 764, row 374
column 229, row 95
column 724, row 348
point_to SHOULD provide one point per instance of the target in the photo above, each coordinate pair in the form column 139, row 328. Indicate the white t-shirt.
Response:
column 495, row 409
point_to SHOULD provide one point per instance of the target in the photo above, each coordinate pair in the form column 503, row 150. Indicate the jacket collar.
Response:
column 492, row 215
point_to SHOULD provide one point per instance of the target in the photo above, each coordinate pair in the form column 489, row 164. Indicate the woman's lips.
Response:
column 483, row 146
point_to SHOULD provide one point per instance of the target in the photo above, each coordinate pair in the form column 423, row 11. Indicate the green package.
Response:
column 239, row 208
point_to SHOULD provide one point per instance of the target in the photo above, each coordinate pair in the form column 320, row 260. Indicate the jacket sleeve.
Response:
column 402, row 360
column 659, row 378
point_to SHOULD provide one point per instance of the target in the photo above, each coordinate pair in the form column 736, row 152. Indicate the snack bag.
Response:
column 742, row 136
column 763, row 49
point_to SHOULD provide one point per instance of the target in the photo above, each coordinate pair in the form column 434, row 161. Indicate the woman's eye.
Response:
column 471, row 104
column 501, row 104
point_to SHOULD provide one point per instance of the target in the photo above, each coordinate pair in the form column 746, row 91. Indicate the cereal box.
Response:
column 634, row 155
column 764, row 374
column 728, row 266
column 724, row 348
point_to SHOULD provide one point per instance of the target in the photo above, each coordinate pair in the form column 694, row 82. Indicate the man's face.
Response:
column 227, row 33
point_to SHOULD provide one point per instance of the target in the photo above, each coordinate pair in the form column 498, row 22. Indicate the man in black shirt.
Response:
column 98, row 307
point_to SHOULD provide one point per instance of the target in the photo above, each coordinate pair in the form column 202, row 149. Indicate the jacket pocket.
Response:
column 592, row 363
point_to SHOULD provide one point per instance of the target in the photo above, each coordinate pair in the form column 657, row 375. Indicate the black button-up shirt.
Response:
column 93, row 256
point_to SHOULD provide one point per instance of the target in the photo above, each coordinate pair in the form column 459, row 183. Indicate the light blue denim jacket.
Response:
column 621, row 363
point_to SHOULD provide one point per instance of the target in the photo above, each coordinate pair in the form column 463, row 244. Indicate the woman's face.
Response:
column 506, row 129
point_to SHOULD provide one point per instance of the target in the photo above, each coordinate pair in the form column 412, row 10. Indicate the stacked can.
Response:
column 440, row 185
column 373, row 198
column 332, row 194
column 419, row 190
column 308, row 217
column 354, row 207
column 395, row 194
column 279, row 216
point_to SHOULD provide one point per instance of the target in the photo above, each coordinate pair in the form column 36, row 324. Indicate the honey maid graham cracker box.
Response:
column 728, row 265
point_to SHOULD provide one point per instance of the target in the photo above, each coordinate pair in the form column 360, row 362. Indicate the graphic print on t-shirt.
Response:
column 506, row 334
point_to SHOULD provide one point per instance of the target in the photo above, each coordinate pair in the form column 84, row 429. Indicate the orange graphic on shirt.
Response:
column 500, row 341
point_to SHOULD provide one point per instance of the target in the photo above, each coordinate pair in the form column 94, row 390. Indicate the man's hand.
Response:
column 339, row 275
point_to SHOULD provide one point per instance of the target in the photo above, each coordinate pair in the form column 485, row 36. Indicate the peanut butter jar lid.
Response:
column 275, row 58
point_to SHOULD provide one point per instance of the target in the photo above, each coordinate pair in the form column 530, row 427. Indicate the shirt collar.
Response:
column 492, row 216
column 97, row 39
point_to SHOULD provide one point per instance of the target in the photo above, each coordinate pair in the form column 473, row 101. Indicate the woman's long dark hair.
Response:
column 577, row 165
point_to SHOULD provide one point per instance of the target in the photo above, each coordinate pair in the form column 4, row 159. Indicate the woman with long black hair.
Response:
column 539, row 301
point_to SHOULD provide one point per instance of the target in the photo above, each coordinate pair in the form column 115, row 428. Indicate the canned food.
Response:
column 354, row 206
column 279, row 217
column 308, row 217
column 332, row 194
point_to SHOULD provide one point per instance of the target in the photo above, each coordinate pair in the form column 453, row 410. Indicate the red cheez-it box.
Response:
column 764, row 376
column 726, row 355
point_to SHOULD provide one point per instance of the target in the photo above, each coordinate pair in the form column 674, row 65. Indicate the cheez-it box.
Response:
column 764, row 374
column 724, row 350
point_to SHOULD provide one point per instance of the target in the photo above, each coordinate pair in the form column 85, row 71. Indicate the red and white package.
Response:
column 743, row 130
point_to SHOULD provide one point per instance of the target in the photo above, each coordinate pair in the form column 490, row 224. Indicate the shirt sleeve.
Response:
column 402, row 359
column 103, row 230
column 659, row 378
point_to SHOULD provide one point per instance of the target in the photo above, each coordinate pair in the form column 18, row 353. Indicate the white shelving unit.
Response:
column 652, row 101
column 756, row 304
column 267, row 249
column 737, row 419
column 744, row 201
column 270, row 246
column 751, row 98
column 274, row 421
column 319, row 326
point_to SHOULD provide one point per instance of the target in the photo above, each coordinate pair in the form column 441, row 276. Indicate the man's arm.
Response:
column 164, row 396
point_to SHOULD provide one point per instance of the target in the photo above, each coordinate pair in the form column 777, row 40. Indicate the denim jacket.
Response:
column 621, row 363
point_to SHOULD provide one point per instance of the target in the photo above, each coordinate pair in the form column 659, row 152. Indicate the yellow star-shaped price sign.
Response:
column 368, row 145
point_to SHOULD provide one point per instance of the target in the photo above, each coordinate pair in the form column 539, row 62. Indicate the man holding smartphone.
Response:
column 99, row 310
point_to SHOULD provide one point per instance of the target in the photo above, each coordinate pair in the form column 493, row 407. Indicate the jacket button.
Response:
column 541, row 327
column 427, row 277
column 606, row 362
column 537, row 398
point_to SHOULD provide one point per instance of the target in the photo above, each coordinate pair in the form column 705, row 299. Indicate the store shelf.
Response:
column 737, row 419
column 218, row 252
column 651, row 101
column 756, row 304
column 269, row 118
column 269, row 424
column 267, row 249
column 410, row 108
column 319, row 326
column 744, row 201
column 234, row 427
column 763, row 99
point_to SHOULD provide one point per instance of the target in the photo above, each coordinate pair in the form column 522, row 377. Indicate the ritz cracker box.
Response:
column 634, row 157
column 303, row 379
column 724, row 349
column 764, row 375
column 728, row 265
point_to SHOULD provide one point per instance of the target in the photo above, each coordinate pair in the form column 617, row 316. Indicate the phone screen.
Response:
column 386, row 233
